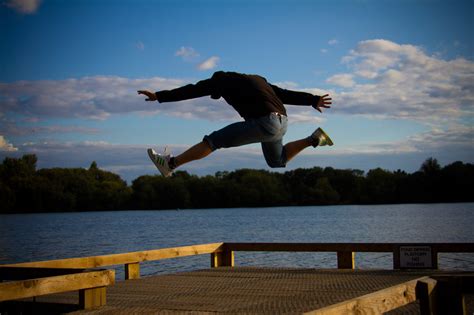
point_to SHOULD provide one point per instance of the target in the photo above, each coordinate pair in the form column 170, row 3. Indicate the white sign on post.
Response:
column 415, row 257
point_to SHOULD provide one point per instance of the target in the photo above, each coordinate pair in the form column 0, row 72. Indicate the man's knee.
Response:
column 276, row 164
column 211, row 143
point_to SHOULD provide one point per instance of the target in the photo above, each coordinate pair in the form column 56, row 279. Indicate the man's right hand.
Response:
column 323, row 102
column 151, row 96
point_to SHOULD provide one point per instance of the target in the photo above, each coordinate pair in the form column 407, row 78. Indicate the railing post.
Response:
column 95, row 297
column 426, row 294
column 434, row 258
column 224, row 258
column 345, row 260
column 132, row 271
column 396, row 257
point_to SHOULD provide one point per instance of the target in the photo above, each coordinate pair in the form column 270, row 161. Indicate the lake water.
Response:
column 33, row 237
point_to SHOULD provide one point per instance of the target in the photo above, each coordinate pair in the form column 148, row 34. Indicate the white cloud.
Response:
column 333, row 42
column 287, row 85
column 5, row 146
column 187, row 53
column 209, row 64
column 457, row 140
column 404, row 82
column 89, row 97
column 24, row 6
column 344, row 80
column 323, row 50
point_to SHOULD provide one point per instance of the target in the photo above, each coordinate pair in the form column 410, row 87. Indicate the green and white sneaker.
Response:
column 320, row 138
column 161, row 162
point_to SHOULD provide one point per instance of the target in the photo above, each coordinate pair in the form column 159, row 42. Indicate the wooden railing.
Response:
column 131, row 260
column 91, row 284
column 346, row 251
column 33, row 279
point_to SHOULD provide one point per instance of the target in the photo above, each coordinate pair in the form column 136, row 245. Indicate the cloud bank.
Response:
column 385, row 80
column 99, row 97
column 390, row 80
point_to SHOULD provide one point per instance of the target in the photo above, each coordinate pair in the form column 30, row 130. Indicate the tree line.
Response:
column 23, row 188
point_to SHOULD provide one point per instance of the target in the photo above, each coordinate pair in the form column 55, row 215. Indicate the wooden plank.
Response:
column 350, row 247
column 310, row 247
column 452, row 247
column 125, row 258
column 42, row 286
column 374, row 303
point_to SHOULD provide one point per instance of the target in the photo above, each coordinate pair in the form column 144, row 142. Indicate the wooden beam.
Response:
column 126, row 258
column 309, row 247
column 348, row 247
column 374, row 303
column 42, row 286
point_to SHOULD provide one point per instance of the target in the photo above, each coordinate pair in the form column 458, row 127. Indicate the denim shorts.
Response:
column 268, row 130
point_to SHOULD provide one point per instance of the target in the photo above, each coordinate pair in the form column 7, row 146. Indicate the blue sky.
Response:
column 401, row 74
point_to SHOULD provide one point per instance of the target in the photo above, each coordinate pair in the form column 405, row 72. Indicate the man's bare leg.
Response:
column 196, row 152
column 295, row 147
column 317, row 138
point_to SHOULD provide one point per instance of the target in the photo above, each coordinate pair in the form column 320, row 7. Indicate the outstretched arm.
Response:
column 202, row 88
column 302, row 98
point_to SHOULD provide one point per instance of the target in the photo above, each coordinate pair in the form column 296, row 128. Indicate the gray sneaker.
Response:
column 161, row 162
column 320, row 138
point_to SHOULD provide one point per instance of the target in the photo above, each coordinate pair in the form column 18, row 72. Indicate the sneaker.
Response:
column 320, row 138
column 161, row 162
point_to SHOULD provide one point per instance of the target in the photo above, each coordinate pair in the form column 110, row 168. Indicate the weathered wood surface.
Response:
column 247, row 290
column 216, row 248
column 125, row 258
column 43, row 286
column 377, row 302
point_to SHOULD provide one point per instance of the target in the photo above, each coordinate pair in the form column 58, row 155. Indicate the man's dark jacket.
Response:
column 251, row 95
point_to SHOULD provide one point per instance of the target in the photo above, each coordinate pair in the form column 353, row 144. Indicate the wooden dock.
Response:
column 225, row 288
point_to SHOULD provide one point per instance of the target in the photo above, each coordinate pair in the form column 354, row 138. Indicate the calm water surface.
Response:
column 31, row 237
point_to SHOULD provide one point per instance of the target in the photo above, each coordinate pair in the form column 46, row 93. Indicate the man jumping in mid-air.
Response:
column 259, row 103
